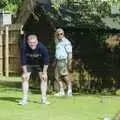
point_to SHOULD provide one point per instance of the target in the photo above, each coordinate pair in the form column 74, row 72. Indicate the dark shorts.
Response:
column 34, row 68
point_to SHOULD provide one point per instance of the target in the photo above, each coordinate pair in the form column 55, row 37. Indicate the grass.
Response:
column 79, row 107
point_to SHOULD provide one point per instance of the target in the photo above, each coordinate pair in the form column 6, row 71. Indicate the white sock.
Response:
column 62, row 90
column 61, row 87
column 69, row 90
column 69, row 87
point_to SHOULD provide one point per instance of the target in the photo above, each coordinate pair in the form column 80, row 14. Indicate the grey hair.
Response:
column 60, row 30
column 33, row 36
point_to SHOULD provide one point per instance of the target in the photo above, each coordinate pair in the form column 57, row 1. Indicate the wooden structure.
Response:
column 5, row 18
column 9, row 49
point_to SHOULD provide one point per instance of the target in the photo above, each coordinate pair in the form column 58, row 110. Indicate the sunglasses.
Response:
column 58, row 34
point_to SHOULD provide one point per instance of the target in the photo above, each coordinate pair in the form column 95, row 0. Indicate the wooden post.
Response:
column 1, row 52
column 6, row 51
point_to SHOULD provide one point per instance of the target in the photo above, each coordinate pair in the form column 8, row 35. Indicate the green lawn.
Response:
column 82, row 107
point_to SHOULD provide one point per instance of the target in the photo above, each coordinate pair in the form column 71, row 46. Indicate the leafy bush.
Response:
column 117, row 92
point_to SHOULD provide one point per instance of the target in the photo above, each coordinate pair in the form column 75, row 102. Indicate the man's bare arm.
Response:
column 45, row 67
column 70, row 61
column 24, row 68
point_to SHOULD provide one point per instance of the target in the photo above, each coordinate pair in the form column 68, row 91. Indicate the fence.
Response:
column 9, row 49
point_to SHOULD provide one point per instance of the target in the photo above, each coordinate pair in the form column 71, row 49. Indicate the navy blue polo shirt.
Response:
column 37, row 57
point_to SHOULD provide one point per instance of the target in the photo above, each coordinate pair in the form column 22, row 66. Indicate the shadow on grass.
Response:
column 10, row 99
column 11, row 84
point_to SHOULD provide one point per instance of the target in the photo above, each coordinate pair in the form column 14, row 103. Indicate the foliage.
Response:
column 117, row 92
column 3, row 3
column 81, row 13
column 10, row 5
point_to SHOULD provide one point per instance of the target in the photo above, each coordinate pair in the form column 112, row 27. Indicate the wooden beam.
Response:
column 1, row 52
column 6, row 51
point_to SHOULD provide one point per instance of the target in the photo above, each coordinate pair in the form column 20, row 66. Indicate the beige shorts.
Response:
column 61, row 67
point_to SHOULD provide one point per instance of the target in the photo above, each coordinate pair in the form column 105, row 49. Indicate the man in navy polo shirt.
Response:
column 34, row 57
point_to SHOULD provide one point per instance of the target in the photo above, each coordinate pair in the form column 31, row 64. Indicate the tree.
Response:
column 10, row 5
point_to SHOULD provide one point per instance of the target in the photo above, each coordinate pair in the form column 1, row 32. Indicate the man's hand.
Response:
column 44, row 76
column 25, row 75
column 70, row 67
column 54, row 64
column 70, row 62
column 25, row 72
column 44, row 73
column 24, row 69
column 21, row 30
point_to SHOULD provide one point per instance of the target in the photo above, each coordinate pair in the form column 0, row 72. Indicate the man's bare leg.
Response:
column 43, row 87
column 69, row 85
column 25, row 88
column 60, row 84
